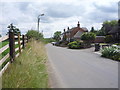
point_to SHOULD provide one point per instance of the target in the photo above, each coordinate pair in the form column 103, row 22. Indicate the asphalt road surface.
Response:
column 80, row 69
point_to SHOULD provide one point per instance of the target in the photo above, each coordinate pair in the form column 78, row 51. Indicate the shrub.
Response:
column 75, row 45
column 34, row 34
column 88, row 37
column 117, row 44
column 108, row 38
column 111, row 52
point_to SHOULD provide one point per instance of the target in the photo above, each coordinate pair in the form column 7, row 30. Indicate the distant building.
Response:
column 115, row 32
column 99, row 39
column 73, row 33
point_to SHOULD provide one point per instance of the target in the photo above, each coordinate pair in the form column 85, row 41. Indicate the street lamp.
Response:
column 39, row 20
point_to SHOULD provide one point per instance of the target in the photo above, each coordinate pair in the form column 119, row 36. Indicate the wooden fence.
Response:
column 12, row 40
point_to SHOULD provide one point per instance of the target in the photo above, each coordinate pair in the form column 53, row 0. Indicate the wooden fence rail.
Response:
column 12, row 54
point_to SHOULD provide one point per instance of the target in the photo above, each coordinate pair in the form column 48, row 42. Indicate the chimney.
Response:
column 64, row 30
column 78, row 25
column 68, row 28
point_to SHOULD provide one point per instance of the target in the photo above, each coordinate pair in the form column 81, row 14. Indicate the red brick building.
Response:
column 73, row 33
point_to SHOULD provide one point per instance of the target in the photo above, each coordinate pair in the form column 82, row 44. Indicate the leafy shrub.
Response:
column 111, row 52
column 108, row 38
column 88, row 36
column 117, row 44
column 34, row 34
column 75, row 45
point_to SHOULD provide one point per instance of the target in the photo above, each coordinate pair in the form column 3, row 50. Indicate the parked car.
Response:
column 58, row 43
column 53, row 43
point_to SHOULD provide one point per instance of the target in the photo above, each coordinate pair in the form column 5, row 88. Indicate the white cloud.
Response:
column 58, row 14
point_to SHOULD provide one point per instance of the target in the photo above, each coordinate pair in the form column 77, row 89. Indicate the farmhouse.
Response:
column 73, row 33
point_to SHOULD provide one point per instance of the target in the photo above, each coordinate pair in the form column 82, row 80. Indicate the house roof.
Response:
column 74, row 30
column 113, row 30
column 85, row 29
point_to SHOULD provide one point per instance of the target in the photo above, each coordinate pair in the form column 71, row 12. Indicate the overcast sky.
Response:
column 59, row 14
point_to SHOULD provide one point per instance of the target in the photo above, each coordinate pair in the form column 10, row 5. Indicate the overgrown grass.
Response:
column 28, row 70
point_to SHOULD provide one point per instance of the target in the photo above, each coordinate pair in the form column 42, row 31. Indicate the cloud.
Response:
column 63, row 10
column 58, row 14
column 107, row 8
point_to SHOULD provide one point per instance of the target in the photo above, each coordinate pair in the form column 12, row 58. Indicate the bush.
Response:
column 117, row 44
column 34, row 34
column 88, row 37
column 75, row 45
column 111, row 52
column 108, row 38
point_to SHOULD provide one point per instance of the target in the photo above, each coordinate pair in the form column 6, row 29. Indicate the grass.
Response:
column 2, row 44
column 5, row 43
column 29, row 69
column 7, row 50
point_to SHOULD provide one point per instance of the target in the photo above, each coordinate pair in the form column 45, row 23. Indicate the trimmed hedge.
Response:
column 108, row 39
column 88, row 37
column 76, row 45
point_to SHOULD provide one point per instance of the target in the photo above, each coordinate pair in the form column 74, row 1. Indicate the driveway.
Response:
column 80, row 69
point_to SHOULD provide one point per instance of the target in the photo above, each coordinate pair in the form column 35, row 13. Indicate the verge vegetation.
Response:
column 29, row 69
column 111, row 52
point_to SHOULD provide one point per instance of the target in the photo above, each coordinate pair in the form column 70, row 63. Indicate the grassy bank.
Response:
column 29, row 69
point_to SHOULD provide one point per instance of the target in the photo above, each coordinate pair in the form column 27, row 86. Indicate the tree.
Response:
column 108, row 38
column 57, row 35
column 15, row 30
column 88, row 37
column 100, row 32
column 92, row 29
column 112, row 23
column 34, row 34
column 108, row 25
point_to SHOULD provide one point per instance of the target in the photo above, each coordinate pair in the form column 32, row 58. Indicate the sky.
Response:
column 59, row 14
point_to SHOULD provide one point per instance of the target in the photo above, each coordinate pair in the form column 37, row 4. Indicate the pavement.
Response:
column 81, row 68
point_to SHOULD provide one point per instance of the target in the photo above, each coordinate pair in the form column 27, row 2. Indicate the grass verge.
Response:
column 28, row 70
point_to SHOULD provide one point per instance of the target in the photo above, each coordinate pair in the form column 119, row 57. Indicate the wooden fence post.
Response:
column 12, row 45
column 23, row 41
column 19, row 43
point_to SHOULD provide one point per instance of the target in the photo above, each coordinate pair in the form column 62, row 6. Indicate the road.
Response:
column 80, row 69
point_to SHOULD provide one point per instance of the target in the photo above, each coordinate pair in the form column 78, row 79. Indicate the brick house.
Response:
column 73, row 33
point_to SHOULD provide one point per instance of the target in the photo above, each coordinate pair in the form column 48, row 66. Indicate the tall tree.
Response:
column 108, row 25
column 100, row 32
column 34, row 34
column 57, row 35
column 112, row 23
column 15, row 30
column 92, row 29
